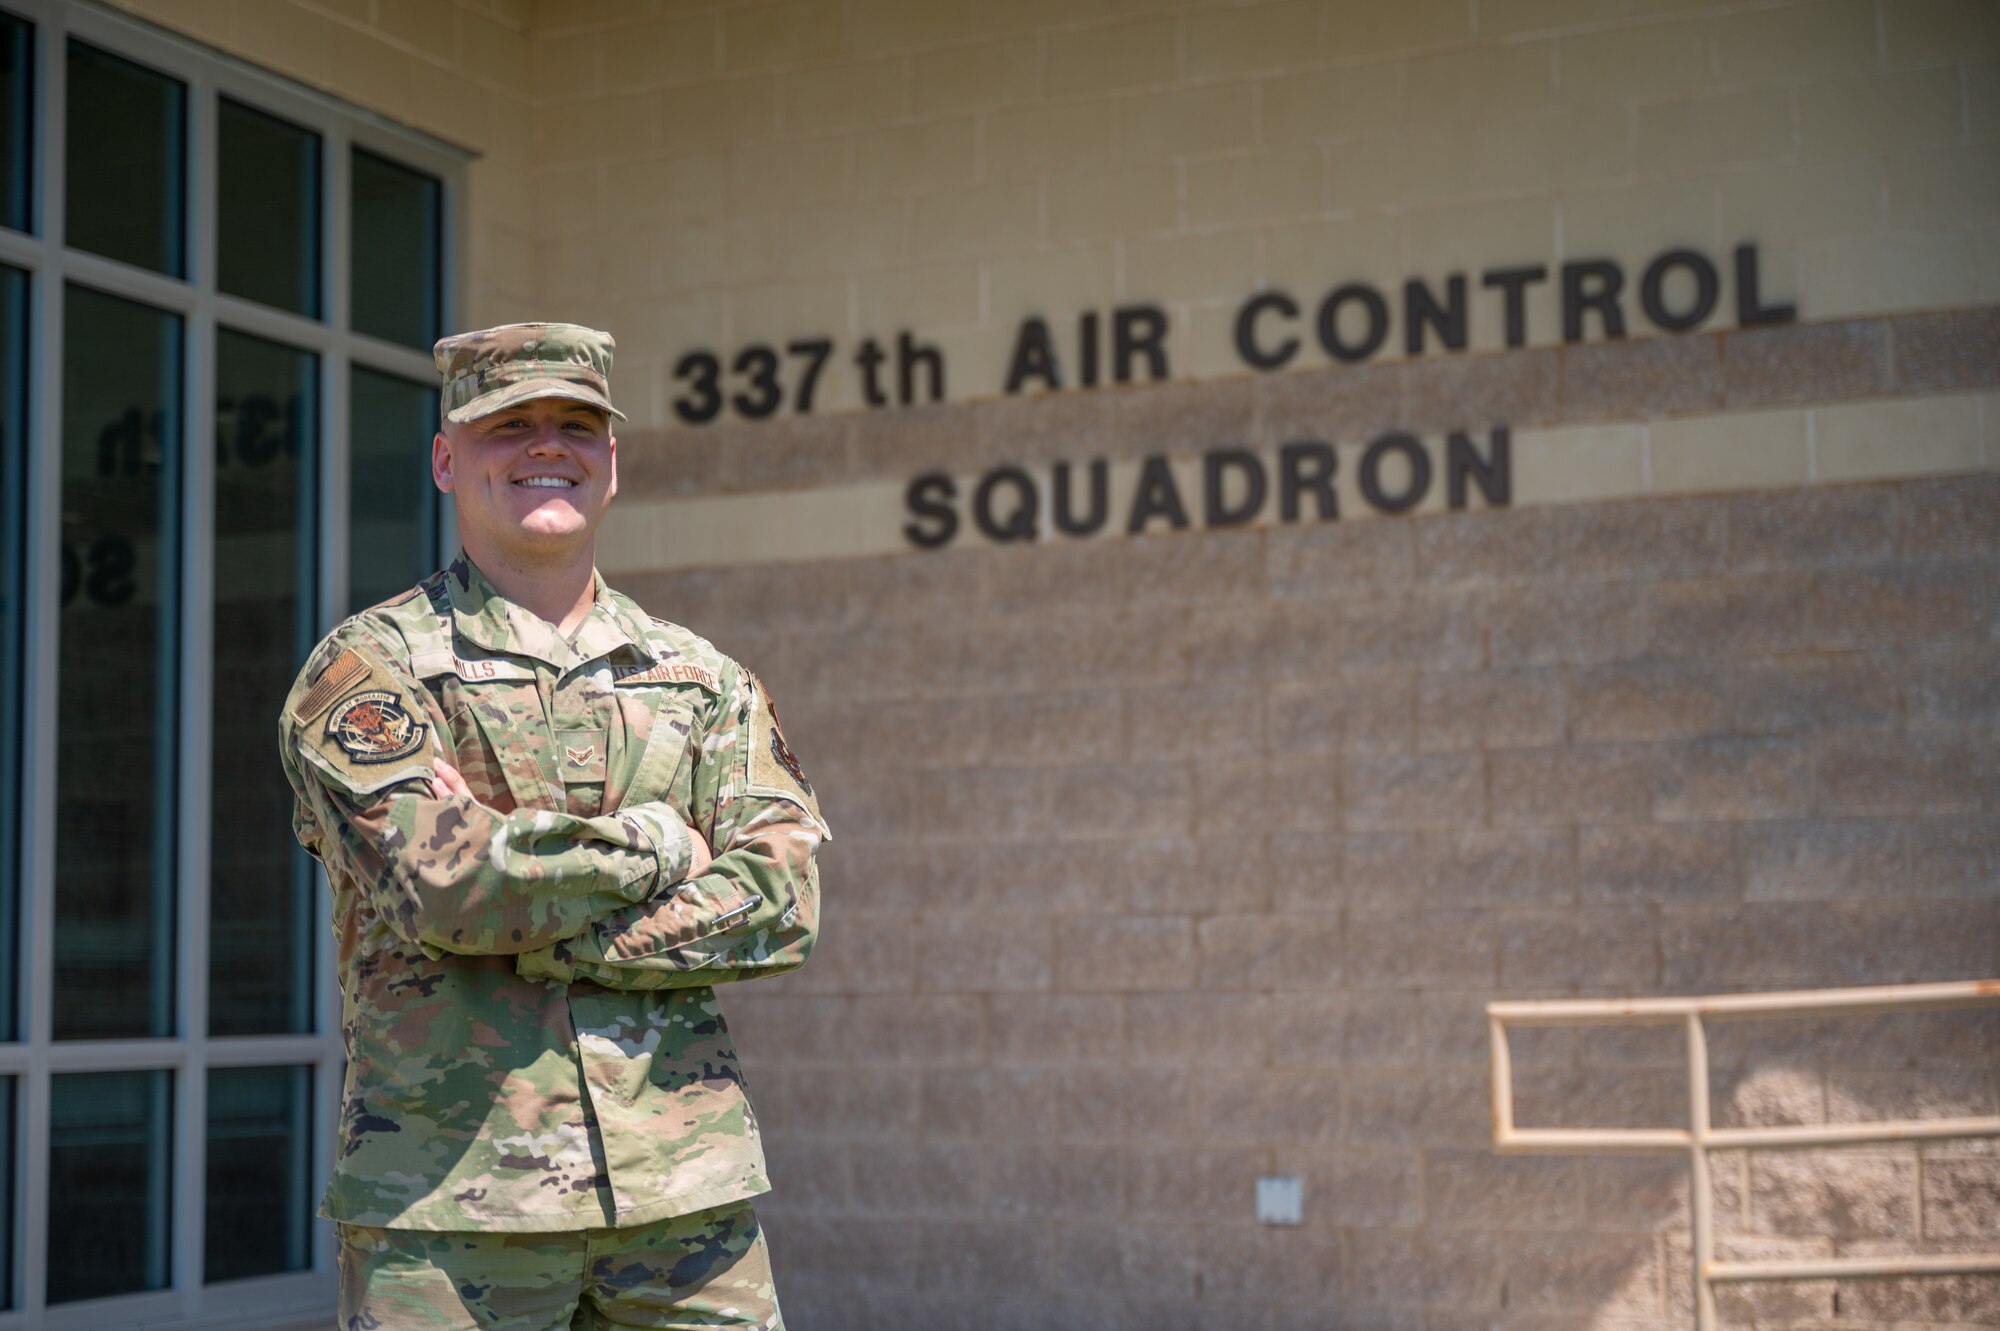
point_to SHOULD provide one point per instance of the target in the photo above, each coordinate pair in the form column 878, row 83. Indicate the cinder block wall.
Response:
column 1167, row 862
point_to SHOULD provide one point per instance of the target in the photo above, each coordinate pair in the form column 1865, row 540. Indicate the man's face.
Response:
column 531, row 482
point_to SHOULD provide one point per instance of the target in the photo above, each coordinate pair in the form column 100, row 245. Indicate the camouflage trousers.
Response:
column 707, row 1270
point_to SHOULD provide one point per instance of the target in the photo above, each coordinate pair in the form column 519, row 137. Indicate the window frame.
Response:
column 35, row 1057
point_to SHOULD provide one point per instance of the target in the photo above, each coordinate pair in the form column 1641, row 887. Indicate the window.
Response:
column 214, row 439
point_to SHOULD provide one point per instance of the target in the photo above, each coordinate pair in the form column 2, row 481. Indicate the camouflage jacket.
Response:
column 533, row 1042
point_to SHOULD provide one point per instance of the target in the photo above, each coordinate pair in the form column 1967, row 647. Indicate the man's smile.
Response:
column 551, row 482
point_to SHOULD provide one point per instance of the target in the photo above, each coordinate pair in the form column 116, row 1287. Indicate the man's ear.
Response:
column 441, row 463
column 611, row 491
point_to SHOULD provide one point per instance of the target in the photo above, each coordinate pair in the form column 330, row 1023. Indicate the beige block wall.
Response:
column 852, row 167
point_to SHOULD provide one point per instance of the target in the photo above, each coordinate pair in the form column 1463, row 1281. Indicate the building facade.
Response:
column 1272, row 524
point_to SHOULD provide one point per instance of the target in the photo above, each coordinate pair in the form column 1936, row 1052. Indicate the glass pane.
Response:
column 259, row 1172
column 115, row 771
column 8, row 1108
column 109, row 1135
column 13, row 562
column 392, row 504
column 17, row 94
column 267, row 212
column 395, row 286
column 260, row 945
column 125, row 161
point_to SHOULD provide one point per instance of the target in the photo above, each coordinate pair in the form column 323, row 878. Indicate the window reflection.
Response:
column 259, row 1172
column 125, row 161
column 260, row 945
column 116, row 695
column 395, row 287
column 393, row 506
column 17, row 44
column 267, row 215
column 13, row 633
column 109, row 1139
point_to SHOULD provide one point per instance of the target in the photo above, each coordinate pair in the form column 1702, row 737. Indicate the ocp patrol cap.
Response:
column 496, row 368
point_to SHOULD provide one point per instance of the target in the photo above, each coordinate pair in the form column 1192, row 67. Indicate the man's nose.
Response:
column 549, row 438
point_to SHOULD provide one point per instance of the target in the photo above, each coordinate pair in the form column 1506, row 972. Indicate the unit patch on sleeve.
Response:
column 373, row 726
column 774, row 768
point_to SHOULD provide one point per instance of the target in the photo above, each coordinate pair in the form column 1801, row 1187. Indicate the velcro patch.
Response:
column 375, row 735
column 667, row 672
column 373, row 726
column 436, row 662
column 773, row 768
column 347, row 670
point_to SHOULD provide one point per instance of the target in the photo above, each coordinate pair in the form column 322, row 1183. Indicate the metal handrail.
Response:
column 1701, row 1136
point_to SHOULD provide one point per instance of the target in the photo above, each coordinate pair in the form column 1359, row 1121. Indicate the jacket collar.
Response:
column 481, row 615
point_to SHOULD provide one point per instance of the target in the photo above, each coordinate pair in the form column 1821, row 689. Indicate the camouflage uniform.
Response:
column 533, row 1040
column 705, row 1270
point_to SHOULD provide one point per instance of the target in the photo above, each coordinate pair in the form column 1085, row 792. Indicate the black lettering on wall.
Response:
column 759, row 365
column 1421, row 310
column 1100, row 500
column 909, row 356
column 1034, row 357
column 1018, row 523
column 1418, row 461
column 815, row 350
column 1373, row 306
column 933, row 520
column 1653, row 294
column 1592, row 284
column 1306, row 465
column 1247, row 346
column 1086, row 349
column 1157, row 496
column 703, row 401
column 1750, row 308
column 868, row 358
column 1513, row 285
column 1138, row 330
column 1216, row 465
column 1493, row 474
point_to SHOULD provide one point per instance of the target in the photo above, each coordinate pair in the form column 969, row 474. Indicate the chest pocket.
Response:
column 499, row 734
column 658, row 732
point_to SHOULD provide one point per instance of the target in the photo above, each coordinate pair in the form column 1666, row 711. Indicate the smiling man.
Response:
column 551, row 824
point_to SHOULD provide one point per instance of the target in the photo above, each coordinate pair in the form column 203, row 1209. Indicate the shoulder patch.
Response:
column 667, row 672
column 375, row 732
column 347, row 670
column 773, row 767
column 374, row 726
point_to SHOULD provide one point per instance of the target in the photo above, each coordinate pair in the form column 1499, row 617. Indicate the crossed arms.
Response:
column 632, row 899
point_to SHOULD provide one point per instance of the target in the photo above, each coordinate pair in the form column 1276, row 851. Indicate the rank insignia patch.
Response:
column 580, row 757
column 373, row 726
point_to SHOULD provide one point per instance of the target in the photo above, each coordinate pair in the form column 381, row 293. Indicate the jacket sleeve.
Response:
column 754, row 911
column 451, row 875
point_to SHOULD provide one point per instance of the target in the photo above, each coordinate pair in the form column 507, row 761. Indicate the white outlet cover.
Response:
column 1281, row 1199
